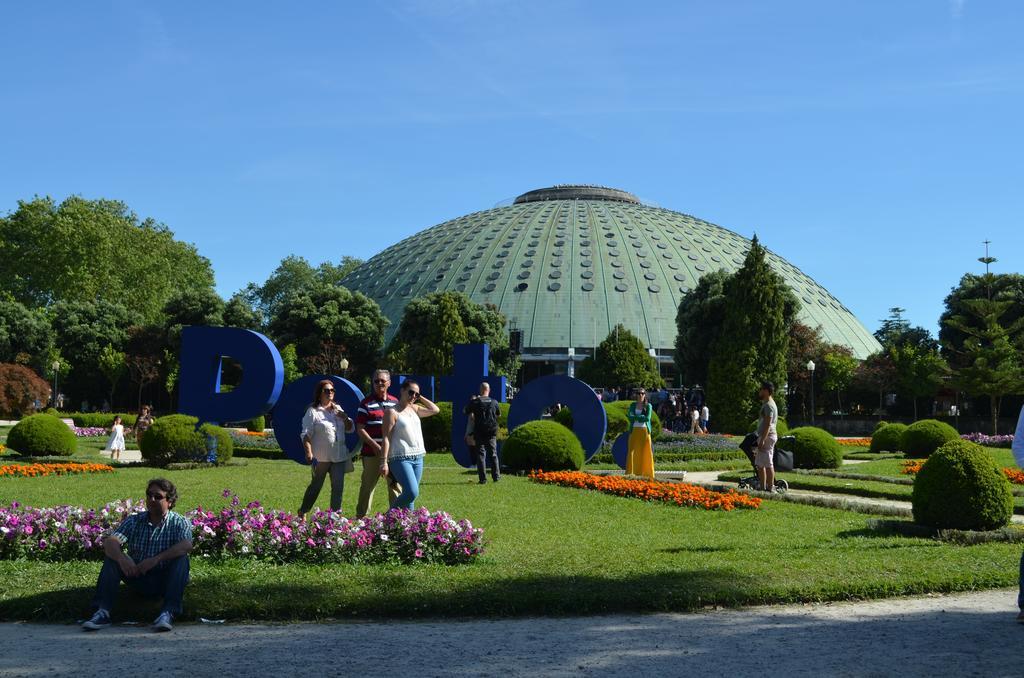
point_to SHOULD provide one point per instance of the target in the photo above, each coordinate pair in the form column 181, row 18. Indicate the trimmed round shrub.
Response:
column 886, row 438
column 961, row 487
column 623, row 407
column 564, row 417
column 256, row 425
column 924, row 437
column 52, row 411
column 879, row 426
column 542, row 445
column 42, row 435
column 174, row 439
column 814, row 448
column 437, row 430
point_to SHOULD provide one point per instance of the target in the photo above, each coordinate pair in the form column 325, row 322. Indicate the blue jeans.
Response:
column 167, row 581
column 407, row 471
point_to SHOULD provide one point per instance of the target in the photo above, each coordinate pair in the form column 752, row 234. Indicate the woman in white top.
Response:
column 323, row 435
column 116, row 441
column 402, row 449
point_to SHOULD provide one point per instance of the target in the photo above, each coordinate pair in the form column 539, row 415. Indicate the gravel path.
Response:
column 963, row 634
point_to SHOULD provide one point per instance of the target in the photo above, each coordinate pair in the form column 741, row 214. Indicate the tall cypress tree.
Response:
column 753, row 344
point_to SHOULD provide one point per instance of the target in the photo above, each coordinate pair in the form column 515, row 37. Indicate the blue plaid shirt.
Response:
column 145, row 541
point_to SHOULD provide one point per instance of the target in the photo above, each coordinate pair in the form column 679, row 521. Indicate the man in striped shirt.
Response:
column 369, row 420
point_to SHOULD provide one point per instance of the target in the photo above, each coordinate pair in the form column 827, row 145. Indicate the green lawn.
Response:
column 551, row 550
column 892, row 467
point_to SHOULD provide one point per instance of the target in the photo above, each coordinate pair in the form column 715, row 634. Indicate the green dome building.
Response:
column 568, row 263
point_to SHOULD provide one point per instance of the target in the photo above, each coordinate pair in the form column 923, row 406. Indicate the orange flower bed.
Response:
column 680, row 494
column 854, row 442
column 1015, row 476
column 911, row 466
column 258, row 434
column 39, row 470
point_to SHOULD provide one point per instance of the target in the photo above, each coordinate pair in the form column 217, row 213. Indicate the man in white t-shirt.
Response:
column 705, row 414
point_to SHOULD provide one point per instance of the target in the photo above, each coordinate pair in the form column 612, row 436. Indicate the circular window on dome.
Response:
column 586, row 253
column 523, row 275
column 460, row 288
column 738, row 262
column 586, row 263
column 621, row 287
column 680, row 277
column 499, row 264
column 642, row 253
column 717, row 260
column 508, row 244
column 618, row 275
column 701, row 267
column 534, row 243
column 531, row 253
column 555, row 274
column 634, row 236
column 439, row 276
column 502, row 253
column 706, row 249
column 489, row 287
column 654, row 236
column 613, row 243
column 684, row 289
column 522, row 287
column 650, row 276
column 645, row 264
column 470, row 266
column 556, row 253
column 616, row 263
column 554, row 287
column 559, row 243
column 696, row 240
column 662, row 246
column 666, row 255
column 614, row 253
column 807, row 301
column 637, row 244
column 587, row 275
column 556, row 262
column 494, row 275
column 528, row 263
column 587, row 287
column 693, row 257
column 654, row 288
column 464, row 277
column 585, row 243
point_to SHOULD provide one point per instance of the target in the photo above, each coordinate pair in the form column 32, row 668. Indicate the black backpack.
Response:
column 485, row 417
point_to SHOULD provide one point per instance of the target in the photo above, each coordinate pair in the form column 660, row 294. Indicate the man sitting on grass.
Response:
column 156, row 564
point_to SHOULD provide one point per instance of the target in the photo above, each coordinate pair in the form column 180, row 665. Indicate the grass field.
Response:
column 551, row 550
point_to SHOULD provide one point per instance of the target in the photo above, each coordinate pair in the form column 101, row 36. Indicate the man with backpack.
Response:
column 484, row 411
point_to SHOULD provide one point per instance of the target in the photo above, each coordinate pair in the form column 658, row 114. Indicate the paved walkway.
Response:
column 965, row 634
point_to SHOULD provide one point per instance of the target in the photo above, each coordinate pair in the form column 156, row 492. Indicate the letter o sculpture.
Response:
column 590, row 422
column 295, row 400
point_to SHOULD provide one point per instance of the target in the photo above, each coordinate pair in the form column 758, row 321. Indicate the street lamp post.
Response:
column 810, row 368
column 56, row 371
column 344, row 367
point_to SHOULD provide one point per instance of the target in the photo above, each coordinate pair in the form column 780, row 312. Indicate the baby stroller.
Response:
column 782, row 460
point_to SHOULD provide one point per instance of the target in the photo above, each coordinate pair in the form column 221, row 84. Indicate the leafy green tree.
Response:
column 239, row 312
column 918, row 370
column 896, row 330
column 81, row 331
column 839, row 366
column 293, row 275
column 290, row 359
column 754, row 342
column 699, row 326
column 482, row 324
column 620, row 360
column 112, row 364
column 191, row 307
column 805, row 344
column 95, row 250
column 1005, row 287
column 324, row 313
column 24, row 333
column 877, row 374
column 988, row 360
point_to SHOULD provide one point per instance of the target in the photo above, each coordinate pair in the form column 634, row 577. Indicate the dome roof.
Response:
column 566, row 264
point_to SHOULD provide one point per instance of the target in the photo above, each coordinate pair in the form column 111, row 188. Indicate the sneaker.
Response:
column 100, row 620
column 163, row 622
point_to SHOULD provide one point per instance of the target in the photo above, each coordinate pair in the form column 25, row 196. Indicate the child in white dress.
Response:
column 116, row 442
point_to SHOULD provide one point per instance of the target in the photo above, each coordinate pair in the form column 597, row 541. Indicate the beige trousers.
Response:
column 368, row 483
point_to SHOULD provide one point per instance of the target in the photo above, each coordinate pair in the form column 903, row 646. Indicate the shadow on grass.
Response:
column 268, row 597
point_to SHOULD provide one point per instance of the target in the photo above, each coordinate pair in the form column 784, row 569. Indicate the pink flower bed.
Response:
column 250, row 531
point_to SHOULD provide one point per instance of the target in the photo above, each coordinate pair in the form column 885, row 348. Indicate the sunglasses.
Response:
column 157, row 497
column 414, row 394
column 328, row 390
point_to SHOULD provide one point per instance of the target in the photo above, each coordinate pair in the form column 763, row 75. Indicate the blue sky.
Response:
column 873, row 144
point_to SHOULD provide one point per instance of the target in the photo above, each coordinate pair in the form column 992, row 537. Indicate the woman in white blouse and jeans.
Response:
column 323, row 435
column 402, row 450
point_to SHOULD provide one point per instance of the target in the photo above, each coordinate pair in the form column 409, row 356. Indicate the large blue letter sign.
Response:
column 590, row 422
column 294, row 402
column 202, row 350
column 471, row 370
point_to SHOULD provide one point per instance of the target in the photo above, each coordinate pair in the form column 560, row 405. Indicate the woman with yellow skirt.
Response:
column 640, row 458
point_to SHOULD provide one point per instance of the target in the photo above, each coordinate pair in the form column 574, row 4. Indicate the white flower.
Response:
column 383, row 537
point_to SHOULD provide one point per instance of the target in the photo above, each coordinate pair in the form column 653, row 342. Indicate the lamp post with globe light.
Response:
column 344, row 367
column 810, row 368
column 56, row 371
